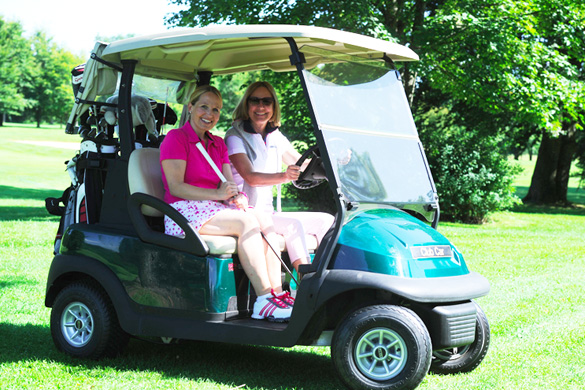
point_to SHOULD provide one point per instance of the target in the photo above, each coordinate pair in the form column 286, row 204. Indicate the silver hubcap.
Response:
column 380, row 354
column 77, row 324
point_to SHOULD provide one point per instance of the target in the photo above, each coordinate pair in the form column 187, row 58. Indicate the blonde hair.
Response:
column 199, row 91
column 241, row 111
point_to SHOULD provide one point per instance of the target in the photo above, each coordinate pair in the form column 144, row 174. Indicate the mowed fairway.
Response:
column 534, row 259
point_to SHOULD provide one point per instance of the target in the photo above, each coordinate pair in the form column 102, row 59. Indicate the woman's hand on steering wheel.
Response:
column 292, row 172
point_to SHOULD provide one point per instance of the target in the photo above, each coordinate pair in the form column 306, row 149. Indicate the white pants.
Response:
column 294, row 225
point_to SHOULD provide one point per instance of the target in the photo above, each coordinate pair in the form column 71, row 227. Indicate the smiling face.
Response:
column 205, row 113
column 259, row 111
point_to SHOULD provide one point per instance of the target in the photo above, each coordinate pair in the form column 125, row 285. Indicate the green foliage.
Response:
column 514, row 65
column 350, row 15
column 49, row 86
column 509, row 57
column 35, row 78
column 14, row 61
column 232, row 88
column 473, row 177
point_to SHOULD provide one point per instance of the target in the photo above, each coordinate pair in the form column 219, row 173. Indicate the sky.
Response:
column 74, row 25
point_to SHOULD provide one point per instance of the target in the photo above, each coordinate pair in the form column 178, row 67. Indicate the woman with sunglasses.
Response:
column 257, row 150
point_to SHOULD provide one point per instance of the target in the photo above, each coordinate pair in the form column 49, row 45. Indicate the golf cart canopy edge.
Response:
column 179, row 54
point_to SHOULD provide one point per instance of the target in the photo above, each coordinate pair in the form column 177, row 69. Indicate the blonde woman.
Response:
column 217, row 208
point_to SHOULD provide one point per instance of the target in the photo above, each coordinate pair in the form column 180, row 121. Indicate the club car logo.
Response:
column 431, row 251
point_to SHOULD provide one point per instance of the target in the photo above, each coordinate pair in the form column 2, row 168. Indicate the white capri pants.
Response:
column 294, row 225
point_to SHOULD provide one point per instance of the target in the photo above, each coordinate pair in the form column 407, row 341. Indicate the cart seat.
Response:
column 145, row 176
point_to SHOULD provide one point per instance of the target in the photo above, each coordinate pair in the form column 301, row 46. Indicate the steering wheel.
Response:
column 314, row 174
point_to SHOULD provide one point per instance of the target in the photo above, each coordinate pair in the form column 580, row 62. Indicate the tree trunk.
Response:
column 2, row 119
column 38, row 117
column 550, row 180
column 567, row 152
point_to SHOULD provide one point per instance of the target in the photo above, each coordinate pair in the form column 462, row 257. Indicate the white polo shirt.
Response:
column 269, row 160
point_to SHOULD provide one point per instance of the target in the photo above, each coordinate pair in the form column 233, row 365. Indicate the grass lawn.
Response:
column 534, row 259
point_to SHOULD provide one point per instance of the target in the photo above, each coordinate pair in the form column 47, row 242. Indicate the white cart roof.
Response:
column 179, row 54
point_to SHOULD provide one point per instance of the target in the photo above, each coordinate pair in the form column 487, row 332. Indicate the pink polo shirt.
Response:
column 180, row 144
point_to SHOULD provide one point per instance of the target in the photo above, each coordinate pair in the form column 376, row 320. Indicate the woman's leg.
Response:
column 314, row 223
column 294, row 235
column 251, row 249
column 294, row 225
column 272, row 262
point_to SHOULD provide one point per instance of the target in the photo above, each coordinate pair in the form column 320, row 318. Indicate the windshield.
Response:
column 169, row 91
column 370, row 135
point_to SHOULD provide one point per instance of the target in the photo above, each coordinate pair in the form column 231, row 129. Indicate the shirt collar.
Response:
column 249, row 129
column 192, row 135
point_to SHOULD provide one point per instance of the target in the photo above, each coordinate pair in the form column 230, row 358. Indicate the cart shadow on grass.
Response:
column 10, row 192
column 27, row 213
column 24, row 213
column 226, row 364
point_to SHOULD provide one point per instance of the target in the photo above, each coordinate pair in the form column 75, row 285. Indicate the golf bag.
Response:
column 77, row 78
column 82, row 201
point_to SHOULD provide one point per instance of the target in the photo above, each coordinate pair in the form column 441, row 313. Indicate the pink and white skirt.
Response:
column 197, row 213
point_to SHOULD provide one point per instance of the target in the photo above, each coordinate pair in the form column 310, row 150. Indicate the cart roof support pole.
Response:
column 125, row 110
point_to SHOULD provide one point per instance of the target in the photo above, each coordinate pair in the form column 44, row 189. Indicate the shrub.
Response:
column 473, row 177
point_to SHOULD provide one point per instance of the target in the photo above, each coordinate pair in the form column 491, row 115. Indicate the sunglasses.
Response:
column 267, row 101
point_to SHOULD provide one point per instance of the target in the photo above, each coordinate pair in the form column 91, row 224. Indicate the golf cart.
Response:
column 390, row 294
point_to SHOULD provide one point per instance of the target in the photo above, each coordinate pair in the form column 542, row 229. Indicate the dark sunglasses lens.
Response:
column 265, row 101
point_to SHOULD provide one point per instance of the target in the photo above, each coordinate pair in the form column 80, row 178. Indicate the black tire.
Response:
column 395, row 348
column 468, row 357
column 84, row 323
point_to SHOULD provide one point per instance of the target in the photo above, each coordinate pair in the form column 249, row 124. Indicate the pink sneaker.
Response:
column 271, row 308
column 286, row 298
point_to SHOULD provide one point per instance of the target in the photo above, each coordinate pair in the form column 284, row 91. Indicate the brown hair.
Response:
column 241, row 111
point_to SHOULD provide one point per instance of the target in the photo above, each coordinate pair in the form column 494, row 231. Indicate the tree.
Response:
column 505, row 63
column 14, row 59
column 521, row 60
column 49, row 86
column 562, row 28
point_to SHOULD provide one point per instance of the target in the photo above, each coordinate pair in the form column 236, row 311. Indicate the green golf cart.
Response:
column 386, row 291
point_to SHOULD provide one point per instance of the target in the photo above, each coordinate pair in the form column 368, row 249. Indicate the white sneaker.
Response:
column 271, row 308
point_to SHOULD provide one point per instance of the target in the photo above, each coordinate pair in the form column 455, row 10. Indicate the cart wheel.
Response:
column 468, row 357
column 84, row 323
column 381, row 347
